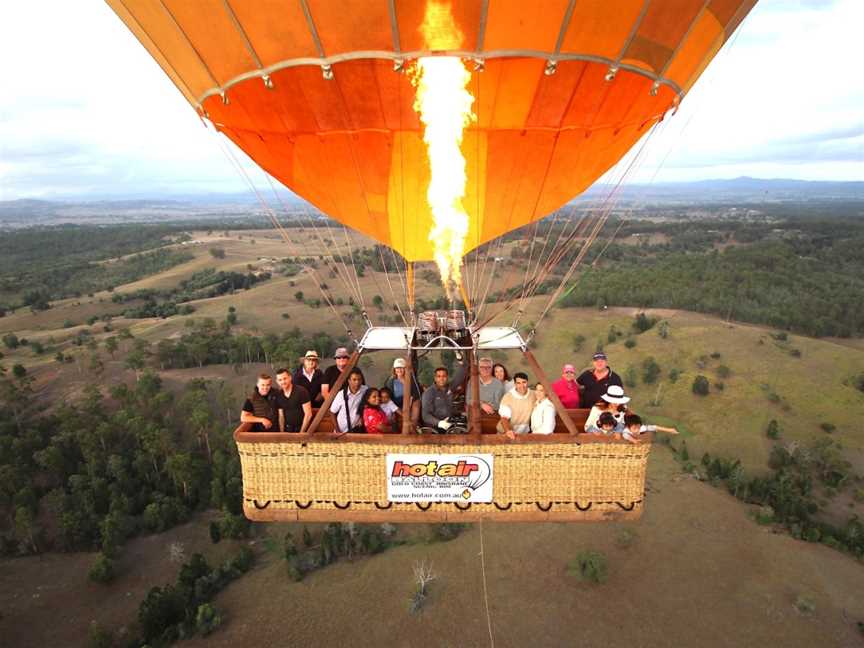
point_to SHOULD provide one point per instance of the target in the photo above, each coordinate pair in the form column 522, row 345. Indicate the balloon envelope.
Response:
column 313, row 96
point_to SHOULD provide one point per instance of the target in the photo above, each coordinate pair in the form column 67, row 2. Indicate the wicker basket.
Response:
column 326, row 477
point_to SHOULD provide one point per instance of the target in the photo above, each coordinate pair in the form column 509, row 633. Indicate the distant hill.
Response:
column 742, row 189
column 102, row 209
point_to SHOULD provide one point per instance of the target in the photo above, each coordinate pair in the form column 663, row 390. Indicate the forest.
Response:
column 802, row 274
column 41, row 264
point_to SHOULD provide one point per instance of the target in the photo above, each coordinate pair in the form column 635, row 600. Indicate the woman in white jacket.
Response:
column 543, row 414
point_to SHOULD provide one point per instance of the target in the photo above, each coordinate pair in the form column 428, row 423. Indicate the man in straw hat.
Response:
column 309, row 377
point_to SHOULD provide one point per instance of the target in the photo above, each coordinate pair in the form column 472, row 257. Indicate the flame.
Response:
column 444, row 104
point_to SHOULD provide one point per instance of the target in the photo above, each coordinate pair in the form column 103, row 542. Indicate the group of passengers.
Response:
column 520, row 408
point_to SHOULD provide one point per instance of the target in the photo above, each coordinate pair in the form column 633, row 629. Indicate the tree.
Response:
column 378, row 301
column 96, row 365
column 642, row 322
column 181, row 470
column 135, row 362
column 19, row 371
column 217, row 252
column 298, row 295
column 25, row 528
column 10, row 341
column 701, row 386
column 650, row 370
column 111, row 346
column 102, row 570
column 589, row 566
column 773, row 429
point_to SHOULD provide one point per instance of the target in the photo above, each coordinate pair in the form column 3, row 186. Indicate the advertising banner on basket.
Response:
column 439, row 478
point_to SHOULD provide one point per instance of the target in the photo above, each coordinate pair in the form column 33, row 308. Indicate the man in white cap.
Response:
column 310, row 377
column 595, row 382
column 332, row 373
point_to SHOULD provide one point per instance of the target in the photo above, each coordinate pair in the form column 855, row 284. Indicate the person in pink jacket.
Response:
column 567, row 388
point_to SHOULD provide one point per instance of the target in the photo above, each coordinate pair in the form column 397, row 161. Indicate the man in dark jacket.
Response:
column 260, row 408
column 593, row 382
column 331, row 375
column 310, row 377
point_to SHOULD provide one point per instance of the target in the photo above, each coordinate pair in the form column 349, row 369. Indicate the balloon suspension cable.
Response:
column 598, row 226
column 232, row 158
column 337, row 267
column 409, row 281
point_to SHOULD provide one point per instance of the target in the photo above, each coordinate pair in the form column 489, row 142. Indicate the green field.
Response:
column 697, row 553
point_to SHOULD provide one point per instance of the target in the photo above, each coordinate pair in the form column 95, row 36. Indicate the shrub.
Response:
column 217, row 252
column 624, row 538
column 773, row 429
column 630, row 342
column 445, row 532
column 805, row 604
column 715, row 355
column 642, row 322
column 701, row 386
column 102, row 570
column 764, row 515
column 630, row 376
column 589, row 566
column 663, row 329
column 827, row 427
column 99, row 637
column 674, row 374
column 650, row 370
column 207, row 619
column 215, row 532
column 723, row 371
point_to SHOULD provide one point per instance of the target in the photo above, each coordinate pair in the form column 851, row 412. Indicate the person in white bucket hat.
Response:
column 613, row 401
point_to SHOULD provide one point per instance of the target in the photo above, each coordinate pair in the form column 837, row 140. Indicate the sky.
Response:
column 85, row 111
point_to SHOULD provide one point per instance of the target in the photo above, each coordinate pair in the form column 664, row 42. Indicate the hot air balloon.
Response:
column 341, row 101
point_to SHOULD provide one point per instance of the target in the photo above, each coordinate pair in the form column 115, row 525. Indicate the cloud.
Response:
column 87, row 109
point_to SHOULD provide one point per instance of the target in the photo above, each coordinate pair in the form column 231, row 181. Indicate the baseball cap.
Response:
column 341, row 352
column 599, row 356
column 399, row 362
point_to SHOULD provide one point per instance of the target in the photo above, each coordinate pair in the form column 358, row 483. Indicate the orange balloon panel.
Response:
column 353, row 146
column 308, row 89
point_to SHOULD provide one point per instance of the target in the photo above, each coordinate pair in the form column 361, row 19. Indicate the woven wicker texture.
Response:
column 314, row 480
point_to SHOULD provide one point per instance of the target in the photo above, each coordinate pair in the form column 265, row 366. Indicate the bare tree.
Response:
column 423, row 575
column 176, row 552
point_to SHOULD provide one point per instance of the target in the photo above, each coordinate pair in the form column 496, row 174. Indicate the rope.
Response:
column 315, row 230
column 485, row 587
column 273, row 217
